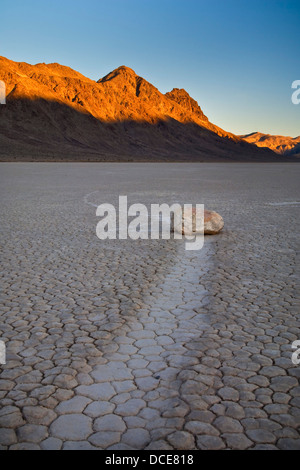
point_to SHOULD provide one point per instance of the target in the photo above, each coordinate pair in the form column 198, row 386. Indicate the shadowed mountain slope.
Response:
column 56, row 113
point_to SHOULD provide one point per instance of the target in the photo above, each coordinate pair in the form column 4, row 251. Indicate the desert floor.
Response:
column 122, row 344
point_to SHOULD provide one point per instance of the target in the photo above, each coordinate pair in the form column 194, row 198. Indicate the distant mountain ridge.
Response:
column 56, row 113
column 282, row 145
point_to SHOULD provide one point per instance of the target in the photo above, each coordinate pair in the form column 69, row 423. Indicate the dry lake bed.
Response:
column 123, row 344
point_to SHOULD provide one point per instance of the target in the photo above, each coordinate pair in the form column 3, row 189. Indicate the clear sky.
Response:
column 237, row 58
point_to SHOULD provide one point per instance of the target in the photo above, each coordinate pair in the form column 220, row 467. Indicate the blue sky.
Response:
column 237, row 58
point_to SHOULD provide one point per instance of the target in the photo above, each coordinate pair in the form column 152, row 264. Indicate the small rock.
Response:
column 213, row 222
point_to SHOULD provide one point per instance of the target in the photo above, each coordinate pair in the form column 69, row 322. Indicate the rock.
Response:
column 213, row 222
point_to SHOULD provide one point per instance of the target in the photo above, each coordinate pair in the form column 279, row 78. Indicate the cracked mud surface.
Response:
column 142, row 344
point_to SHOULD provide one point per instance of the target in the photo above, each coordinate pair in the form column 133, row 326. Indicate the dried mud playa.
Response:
column 141, row 344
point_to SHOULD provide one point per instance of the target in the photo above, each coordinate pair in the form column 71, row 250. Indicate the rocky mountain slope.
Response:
column 55, row 113
column 280, row 144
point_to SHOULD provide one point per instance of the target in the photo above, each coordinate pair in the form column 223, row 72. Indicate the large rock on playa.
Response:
column 213, row 222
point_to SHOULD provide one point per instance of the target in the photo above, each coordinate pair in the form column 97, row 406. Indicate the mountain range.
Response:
column 280, row 144
column 54, row 113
